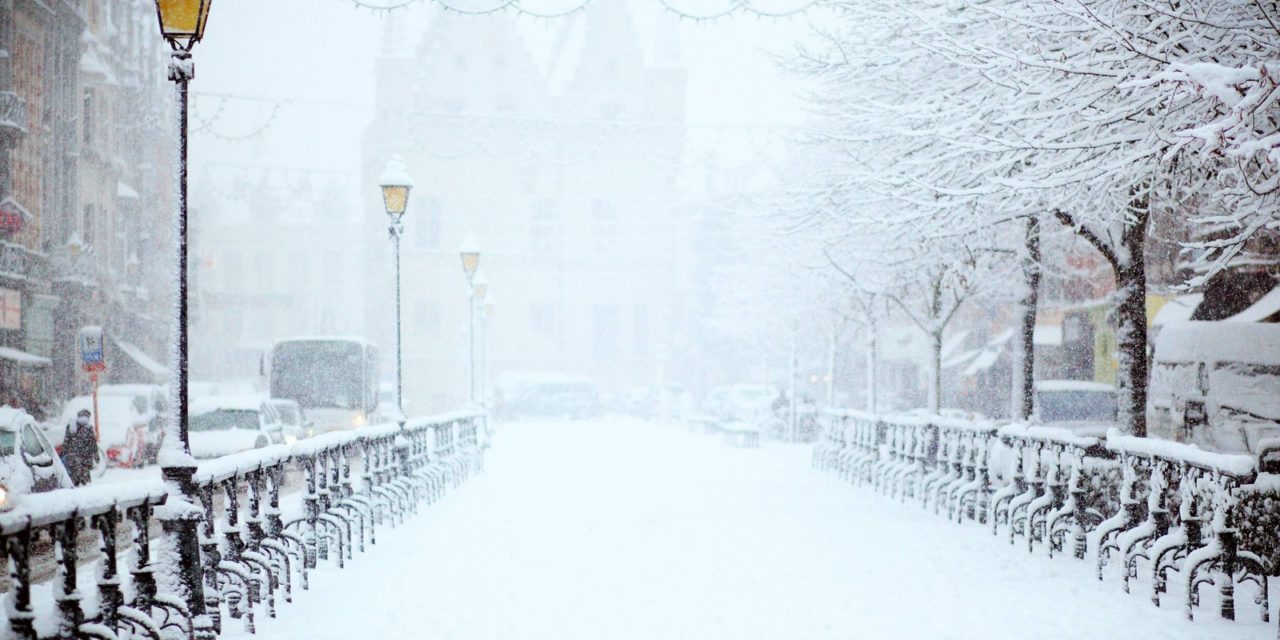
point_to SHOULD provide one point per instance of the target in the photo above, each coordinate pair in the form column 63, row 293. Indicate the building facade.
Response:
column 566, row 175
column 86, row 171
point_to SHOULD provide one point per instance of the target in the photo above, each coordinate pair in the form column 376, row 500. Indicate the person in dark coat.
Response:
column 80, row 448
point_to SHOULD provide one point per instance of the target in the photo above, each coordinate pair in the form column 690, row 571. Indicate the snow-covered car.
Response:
column 1216, row 384
column 294, row 424
column 28, row 461
column 550, row 395
column 222, row 425
column 1085, row 407
column 152, row 402
column 750, row 403
column 122, row 428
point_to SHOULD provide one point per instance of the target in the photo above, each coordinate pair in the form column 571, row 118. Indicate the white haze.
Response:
column 284, row 93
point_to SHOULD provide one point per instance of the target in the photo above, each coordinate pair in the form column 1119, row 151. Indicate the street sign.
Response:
column 91, row 356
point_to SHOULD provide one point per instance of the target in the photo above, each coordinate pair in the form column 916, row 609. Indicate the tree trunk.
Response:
column 1024, row 360
column 871, row 367
column 831, row 368
column 935, row 371
column 1131, row 326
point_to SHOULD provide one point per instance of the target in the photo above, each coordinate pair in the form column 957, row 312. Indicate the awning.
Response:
column 1047, row 335
column 125, row 191
column 990, row 353
column 1260, row 311
column 22, row 357
column 1178, row 309
column 157, row 370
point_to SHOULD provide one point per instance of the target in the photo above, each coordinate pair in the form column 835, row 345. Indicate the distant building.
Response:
column 568, row 186
column 275, row 255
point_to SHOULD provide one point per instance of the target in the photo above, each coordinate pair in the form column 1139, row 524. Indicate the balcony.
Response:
column 13, row 116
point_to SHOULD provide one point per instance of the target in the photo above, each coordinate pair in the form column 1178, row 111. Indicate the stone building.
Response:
column 565, row 173
column 86, row 165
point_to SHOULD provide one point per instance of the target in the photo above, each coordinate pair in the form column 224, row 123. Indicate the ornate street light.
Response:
column 182, row 21
column 479, row 286
column 396, row 184
column 470, row 254
column 486, row 315
column 182, row 24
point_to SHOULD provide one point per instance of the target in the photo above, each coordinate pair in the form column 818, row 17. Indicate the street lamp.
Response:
column 486, row 314
column 470, row 254
column 396, row 184
column 479, row 287
column 182, row 24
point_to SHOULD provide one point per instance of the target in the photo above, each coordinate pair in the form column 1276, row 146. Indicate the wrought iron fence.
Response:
column 1156, row 508
column 255, row 548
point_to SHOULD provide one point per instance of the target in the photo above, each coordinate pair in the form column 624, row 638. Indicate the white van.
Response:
column 1216, row 384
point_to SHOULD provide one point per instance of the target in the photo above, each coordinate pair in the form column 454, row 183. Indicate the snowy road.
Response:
column 627, row 530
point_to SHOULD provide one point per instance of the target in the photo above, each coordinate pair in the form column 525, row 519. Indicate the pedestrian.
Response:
column 80, row 448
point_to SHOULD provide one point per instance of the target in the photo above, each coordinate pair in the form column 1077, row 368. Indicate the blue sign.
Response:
column 91, row 356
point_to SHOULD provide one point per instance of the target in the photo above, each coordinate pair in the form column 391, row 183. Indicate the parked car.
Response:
column 122, row 428
column 549, row 396
column 152, row 402
column 293, row 420
column 1216, row 384
column 750, row 403
column 223, row 425
column 1086, row 407
column 28, row 461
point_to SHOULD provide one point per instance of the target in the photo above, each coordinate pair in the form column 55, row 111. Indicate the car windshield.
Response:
column 7, row 441
column 224, row 419
column 288, row 414
column 1064, row 406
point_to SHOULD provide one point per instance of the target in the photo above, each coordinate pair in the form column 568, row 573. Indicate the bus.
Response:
column 334, row 380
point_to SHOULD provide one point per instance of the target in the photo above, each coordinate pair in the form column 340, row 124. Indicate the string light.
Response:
column 734, row 7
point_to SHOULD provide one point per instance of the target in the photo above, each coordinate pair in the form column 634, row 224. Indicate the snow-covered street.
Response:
column 623, row 529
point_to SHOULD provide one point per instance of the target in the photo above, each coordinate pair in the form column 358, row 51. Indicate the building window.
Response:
column 604, row 225
column 529, row 176
column 333, row 273
column 86, row 225
column 542, row 318
column 640, row 332
column 605, row 330
column 543, row 234
column 87, row 118
column 266, row 272
column 426, row 317
column 426, row 233
column 231, row 270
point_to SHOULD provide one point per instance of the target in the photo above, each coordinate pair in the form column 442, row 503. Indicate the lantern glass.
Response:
column 395, row 198
column 182, row 21
column 479, row 290
column 470, row 262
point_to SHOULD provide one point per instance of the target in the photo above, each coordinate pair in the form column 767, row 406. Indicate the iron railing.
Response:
column 255, row 546
column 1155, row 508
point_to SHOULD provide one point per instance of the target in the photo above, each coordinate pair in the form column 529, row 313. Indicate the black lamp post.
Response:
column 182, row 24
column 396, row 184
column 470, row 254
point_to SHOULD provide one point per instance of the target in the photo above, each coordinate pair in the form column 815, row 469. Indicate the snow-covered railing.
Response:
column 1149, row 505
column 61, row 516
column 252, row 546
